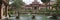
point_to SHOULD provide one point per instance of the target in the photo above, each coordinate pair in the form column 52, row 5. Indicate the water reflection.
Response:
column 29, row 17
column 39, row 17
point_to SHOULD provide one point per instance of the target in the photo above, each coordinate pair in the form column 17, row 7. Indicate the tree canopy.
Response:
column 17, row 3
column 45, row 1
column 58, row 0
column 57, row 4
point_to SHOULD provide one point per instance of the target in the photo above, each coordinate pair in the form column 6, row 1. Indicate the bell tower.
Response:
column 35, row 5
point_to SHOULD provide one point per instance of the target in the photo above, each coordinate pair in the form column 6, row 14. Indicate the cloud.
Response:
column 30, row 1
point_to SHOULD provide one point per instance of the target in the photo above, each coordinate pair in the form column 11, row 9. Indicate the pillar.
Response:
column 2, row 17
column 6, row 7
column 7, row 12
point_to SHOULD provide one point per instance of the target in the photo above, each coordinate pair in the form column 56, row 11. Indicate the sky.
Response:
column 30, row 1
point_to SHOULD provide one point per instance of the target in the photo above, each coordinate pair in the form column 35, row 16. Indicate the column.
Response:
column 7, row 12
column 2, row 17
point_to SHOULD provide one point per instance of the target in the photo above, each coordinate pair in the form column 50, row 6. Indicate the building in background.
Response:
column 36, row 6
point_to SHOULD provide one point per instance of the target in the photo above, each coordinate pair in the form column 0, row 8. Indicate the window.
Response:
column 35, row 8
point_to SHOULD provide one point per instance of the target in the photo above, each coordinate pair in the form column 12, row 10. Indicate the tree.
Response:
column 17, row 4
column 45, row 1
column 58, row 0
column 57, row 5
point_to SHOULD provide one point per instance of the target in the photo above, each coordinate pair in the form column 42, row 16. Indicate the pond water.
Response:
column 29, row 17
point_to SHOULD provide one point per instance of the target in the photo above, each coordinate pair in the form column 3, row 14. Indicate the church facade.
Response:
column 36, row 6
